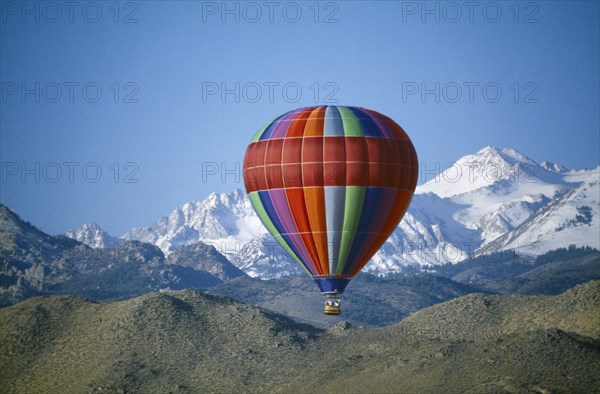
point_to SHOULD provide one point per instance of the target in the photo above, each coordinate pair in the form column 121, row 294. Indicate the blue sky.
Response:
column 113, row 112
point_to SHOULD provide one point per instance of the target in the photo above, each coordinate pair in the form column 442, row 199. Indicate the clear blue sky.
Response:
column 175, row 54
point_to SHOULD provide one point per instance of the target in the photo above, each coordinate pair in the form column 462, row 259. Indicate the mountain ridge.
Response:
column 32, row 263
column 186, row 341
column 94, row 236
column 477, row 205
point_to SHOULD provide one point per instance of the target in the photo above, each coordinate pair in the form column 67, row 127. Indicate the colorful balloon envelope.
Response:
column 331, row 183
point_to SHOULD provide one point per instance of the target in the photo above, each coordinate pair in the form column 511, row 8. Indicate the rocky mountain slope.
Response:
column 368, row 301
column 192, row 342
column 381, row 301
column 34, row 263
column 493, row 200
column 93, row 236
column 506, row 273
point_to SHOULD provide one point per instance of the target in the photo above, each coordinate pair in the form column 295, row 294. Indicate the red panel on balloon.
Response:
column 292, row 151
column 377, row 150
column 312, row 150
column 312, row 174
column 356, row 149
column 334, row 173
column 357, row 174
column 292, row 175
column 273, row 151
column 274, row 176
column 335, row 149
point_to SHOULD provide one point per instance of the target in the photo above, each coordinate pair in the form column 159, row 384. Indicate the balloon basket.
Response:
column 332, row 305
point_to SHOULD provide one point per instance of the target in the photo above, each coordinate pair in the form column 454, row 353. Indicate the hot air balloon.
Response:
column 331, row 183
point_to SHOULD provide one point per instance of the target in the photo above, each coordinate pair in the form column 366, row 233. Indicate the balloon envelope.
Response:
column 331, row 183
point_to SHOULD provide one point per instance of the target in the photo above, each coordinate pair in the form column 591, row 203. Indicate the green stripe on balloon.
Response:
column 352, row 127
column 262, row 214
column 262, row 129
column 355, row 198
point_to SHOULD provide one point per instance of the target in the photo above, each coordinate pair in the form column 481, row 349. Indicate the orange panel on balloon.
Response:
column 315, row 207
column 314, row 124
column 297, row 205
column 297, row 126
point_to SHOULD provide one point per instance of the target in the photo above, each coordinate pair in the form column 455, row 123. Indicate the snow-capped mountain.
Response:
column 572, row 218
column 500, row 194
column 548, row 165
column 92, row 235
column 263, row 257
column 227, row 221
column 495, row 199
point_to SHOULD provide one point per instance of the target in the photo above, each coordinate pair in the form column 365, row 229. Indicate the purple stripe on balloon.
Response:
column 283, row 124
column 280, row 203
column 269, row 129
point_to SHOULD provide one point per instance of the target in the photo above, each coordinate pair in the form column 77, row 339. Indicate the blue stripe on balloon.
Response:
column 269, row 130
column 331, row 285
column 373, row 198
column 333, row 126
column 335, row 203
column 265, row 198
column 369, row 127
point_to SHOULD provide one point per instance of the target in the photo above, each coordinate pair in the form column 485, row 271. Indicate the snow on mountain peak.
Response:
column 94, row 236
column 487, row 167
column 549, row 166
column 224, row 220
column 495, row 198
column 515, row 155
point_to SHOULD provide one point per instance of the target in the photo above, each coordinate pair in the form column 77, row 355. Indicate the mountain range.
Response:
column 34, row 263
column 493, row 200
column 188, row 342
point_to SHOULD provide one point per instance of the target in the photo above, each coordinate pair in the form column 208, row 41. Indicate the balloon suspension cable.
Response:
column 332, row 304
